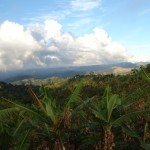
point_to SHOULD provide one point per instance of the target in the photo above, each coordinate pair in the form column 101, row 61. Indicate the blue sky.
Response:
column 126, row 21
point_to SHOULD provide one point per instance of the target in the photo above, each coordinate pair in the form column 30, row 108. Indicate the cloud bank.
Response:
column 46, row 45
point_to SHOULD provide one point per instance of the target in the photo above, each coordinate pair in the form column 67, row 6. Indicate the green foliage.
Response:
column 79, row 113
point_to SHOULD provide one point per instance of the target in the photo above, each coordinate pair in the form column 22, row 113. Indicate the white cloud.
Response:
column 98, row 48
column 16, row 45
column 84, row 5
column 46, row 45
column 53, row 28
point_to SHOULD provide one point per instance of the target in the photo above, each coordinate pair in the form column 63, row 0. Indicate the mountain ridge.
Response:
column 61, row 72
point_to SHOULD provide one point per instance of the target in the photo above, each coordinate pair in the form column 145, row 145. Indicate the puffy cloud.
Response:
column 53, row 29
column 46, row 45
column 16, row 45
column 84, row 5
column 98, row 48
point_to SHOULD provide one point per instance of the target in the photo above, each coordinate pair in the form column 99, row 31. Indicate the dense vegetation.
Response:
column 17, row 92
column 99, row 112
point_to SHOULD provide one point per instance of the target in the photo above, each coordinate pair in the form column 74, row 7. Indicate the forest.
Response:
column 85, row 112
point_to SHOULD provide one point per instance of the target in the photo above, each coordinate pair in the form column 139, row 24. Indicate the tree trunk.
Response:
column 108, row 142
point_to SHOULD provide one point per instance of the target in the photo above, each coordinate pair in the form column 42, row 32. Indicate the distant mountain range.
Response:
column 41, row 81
column 63, row 72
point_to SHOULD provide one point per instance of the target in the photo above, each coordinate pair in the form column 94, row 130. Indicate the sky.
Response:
column 52, row 33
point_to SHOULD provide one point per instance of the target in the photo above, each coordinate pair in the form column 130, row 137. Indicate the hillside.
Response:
column 75, row 111
column 44, row 81
column 35, row 81
column 60, row 72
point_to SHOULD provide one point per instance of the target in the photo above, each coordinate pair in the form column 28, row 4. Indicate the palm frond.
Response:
column 98, row 114
column 5, row 113
column 130, row 132
column 108, row 90
column 37, row 100
column 84, row 104
column 51, row 109
column 18, row 128
column 75, row 98
column 31, row 112
column 131, row 116
column 99, row 110
column 23, row 145
column 112, row 102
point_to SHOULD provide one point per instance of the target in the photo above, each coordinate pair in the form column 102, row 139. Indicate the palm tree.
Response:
column 46, row 114
column 111, row 112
